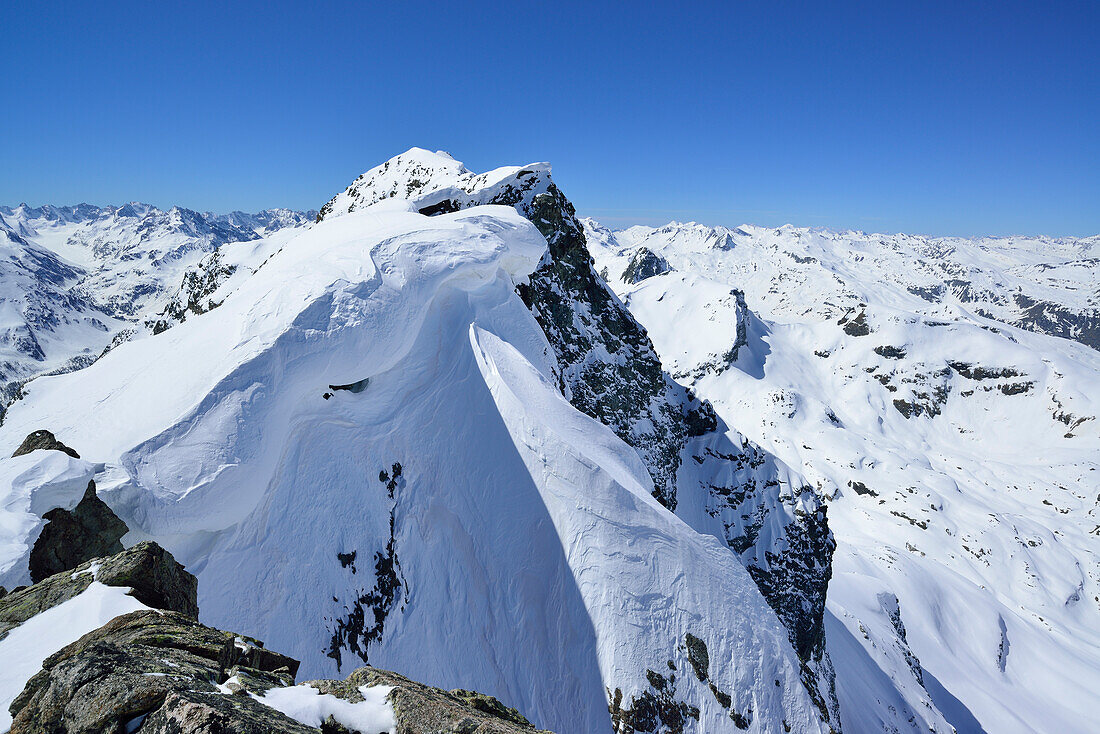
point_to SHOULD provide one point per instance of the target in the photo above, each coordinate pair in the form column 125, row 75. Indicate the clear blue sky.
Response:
column 943, row 118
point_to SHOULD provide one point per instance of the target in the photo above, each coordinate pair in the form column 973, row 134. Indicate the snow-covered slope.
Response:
column 364, row 453
column 74, row 279
column 961, row 454
column 605, row 365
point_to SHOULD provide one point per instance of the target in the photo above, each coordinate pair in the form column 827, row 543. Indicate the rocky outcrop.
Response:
column 155, row 578
column 43, row 439
column 159, row 669
column 167, row 674
column 422, row 709
column 644, row 264
column 70, row 537
column 199, row 283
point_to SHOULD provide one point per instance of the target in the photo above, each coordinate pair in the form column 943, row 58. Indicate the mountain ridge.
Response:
column 449, row 393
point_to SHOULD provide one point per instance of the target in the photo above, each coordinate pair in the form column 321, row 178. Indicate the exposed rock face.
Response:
column 644, row 264
column 89, row 530
column 43, row 439
column 194, row 296
column 1046, row 317
column 156, row 578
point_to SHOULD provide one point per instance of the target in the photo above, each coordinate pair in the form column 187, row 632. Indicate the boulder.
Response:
column 161, row 669
column 423, row 709
column 43, row 439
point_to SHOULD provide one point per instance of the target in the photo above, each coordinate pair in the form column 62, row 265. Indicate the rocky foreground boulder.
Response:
column 159, row 671
column 153, row 576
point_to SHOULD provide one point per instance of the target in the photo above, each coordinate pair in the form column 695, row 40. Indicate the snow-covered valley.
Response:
column 685, row 479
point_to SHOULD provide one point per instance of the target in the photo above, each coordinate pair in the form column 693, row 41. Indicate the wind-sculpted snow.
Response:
column 960, row 453
column 429, row 519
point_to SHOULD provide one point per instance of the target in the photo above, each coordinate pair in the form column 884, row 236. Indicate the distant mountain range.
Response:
column 77, row 277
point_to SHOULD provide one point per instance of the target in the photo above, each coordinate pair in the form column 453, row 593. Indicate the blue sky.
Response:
column 941, row 118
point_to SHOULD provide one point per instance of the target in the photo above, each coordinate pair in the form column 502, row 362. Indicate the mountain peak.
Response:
column 426, row 178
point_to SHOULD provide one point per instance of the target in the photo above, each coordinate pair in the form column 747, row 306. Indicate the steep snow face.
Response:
column 76, row 279
column 607, row 368
column 960, row 453
column 363, row 455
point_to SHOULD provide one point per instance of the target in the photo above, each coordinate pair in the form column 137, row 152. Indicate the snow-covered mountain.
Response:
column 423, row 433
column 915, row 382
column 76, row 278
column 684, row 479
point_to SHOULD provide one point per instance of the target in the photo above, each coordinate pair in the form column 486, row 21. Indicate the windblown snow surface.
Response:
column 362, row 452
column 960, row 453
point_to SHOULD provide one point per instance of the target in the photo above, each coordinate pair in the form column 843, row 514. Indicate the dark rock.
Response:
column 155, row 577
column 1047, row 317
column 698, row 656
column 89, row 530
column 978, row 372
column 366, row 613
column 43, row 439
column 861, row 488
column 856, row 326
column 353, row 387
column 655, row 709
column 644, row 264
column 890, row 352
